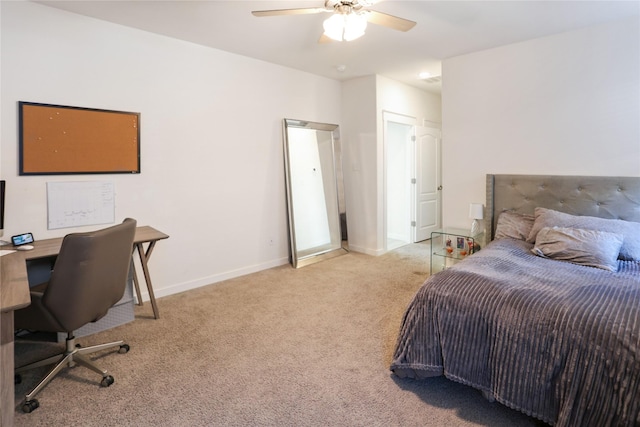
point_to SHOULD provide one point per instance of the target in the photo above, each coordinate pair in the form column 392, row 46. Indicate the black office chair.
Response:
column 88, row 278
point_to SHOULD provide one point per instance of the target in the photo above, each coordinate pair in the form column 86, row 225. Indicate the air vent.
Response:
column 433, row 80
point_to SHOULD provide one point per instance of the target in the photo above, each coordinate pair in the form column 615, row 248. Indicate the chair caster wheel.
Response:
column 107, row 381
column 124, row 348
column 17, row 378
column 30, row 405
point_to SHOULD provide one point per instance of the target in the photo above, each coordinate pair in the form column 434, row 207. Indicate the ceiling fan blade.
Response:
column 389, row 21
column 325, row 39
column 276, row 12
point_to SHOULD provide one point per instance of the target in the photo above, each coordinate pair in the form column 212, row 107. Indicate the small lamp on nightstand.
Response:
column 476, row 213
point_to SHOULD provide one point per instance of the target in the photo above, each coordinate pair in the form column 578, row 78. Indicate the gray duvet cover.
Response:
column 555, row 340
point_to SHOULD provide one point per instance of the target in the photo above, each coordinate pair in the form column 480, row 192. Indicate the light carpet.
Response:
column 281, row 347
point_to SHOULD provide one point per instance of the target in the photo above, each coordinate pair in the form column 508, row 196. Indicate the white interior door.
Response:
column 428, row 182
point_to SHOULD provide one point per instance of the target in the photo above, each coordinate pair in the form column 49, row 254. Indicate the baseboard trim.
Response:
column 366, row 251
column 209, row 280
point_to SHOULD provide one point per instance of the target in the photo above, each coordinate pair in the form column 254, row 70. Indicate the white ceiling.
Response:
column 444, row 29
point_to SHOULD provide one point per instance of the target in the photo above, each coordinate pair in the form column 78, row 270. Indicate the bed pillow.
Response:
column 630, row 231
column 514, row 225
column 592, row 248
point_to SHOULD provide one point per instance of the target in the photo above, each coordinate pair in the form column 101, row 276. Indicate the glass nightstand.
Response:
column 451, row 245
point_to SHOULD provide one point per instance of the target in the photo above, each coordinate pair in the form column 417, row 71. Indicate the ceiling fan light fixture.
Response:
column 355, row 25
column 333, row 27
column 347, row 26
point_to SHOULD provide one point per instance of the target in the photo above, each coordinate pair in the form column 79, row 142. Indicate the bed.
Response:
column 545, row 318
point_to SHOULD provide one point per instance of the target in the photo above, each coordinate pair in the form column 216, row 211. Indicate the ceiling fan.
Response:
column 349, row 18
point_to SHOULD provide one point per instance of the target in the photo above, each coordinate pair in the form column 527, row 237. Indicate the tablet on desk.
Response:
column 22, row 239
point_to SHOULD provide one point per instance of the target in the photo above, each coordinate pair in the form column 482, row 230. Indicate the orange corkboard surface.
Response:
column 56, row 139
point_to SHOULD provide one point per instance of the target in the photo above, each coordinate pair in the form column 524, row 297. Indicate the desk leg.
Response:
column 144, row 257
column 136, row 283
column 7, row 392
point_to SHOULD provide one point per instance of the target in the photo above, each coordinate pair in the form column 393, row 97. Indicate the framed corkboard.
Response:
column 57, row 139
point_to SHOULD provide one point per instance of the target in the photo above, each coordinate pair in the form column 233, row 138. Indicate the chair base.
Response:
column 74, row 354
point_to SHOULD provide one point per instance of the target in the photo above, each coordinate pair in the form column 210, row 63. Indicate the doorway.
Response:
column 411, row 181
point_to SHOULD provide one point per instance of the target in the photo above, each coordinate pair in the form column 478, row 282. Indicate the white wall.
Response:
column 364, row 101
column 212, row 158
column 567, row 104
column 358, row 138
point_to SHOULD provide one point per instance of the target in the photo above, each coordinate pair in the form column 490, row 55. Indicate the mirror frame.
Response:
column 296, row 259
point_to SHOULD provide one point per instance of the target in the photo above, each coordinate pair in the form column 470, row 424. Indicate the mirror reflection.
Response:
column 315, row 196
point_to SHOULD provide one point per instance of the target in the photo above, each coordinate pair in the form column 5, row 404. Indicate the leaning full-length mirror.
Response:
column 315, row 195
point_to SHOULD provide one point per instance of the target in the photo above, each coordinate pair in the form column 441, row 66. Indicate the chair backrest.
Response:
column 90, row 274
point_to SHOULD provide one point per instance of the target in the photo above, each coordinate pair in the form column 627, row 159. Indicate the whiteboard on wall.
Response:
column 73, row 204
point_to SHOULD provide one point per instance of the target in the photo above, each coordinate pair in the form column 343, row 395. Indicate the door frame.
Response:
column 388, row 116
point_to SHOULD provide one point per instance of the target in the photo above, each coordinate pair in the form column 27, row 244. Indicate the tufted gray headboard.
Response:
column 600, row 196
